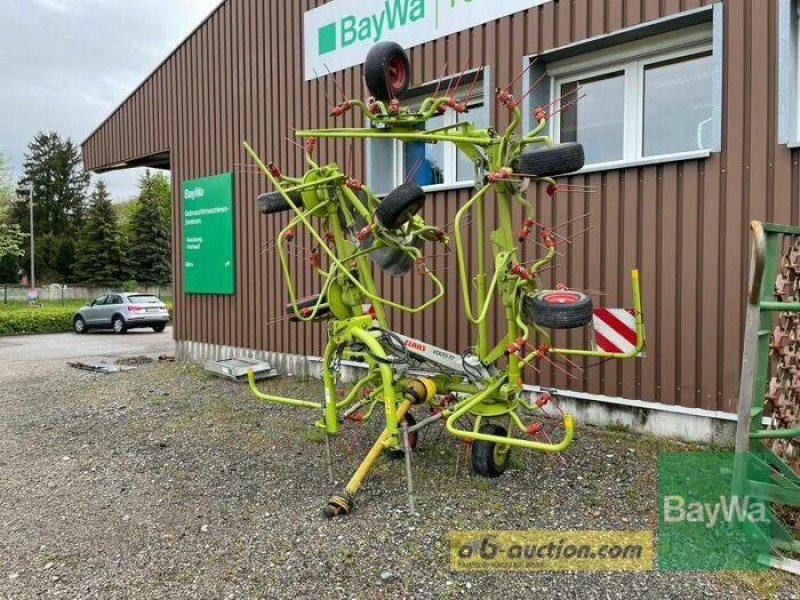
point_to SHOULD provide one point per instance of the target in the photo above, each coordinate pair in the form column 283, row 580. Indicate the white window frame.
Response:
column 450, row 152
column 632, row 58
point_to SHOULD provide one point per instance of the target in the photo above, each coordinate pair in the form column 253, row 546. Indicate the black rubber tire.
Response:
column 557, row 315
column 409, row 419
column 379, row 69
column 307, row 302
column 391, row 261
column 159, row 328
column 485, row 460
column 549, row 162
column 273, row 202
column 399, row 205
column 83, row 328
column 122, row 328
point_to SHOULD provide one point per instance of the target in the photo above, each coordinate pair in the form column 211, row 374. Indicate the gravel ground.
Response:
column 165, row 483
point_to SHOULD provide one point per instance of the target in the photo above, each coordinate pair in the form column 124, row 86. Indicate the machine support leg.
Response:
column 328, row 457
column 409, row 476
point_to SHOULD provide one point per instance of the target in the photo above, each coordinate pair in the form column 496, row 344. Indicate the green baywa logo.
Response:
column 350, row 29
column 731, row 510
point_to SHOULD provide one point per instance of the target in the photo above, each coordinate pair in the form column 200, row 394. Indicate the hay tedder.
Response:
column 353, row 232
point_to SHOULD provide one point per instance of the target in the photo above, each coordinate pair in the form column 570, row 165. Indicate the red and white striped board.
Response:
column 615, row 330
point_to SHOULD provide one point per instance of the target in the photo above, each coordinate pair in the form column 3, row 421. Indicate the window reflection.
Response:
column 677, row 106
column 597, row 119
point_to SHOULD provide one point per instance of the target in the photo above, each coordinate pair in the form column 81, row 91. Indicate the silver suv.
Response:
column 121, row 312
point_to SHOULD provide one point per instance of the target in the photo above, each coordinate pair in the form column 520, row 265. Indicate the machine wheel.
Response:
column 118, row 323
column 273, row 202
column 159, row 328
column 549, row 162
column 490, row 459
column 560, row 309
column 391, row 261
column 387, row 71
column 307, row 302
column 409, row 420
column 402, row 203
column 79, row 325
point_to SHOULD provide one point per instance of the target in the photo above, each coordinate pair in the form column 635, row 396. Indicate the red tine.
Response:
column 532, row 366
column 439, row 83
column 517, row 78
column 324, row 87
column 410, row 175
column 550, row 441
column 583, row 216
column 291, row 141
column 574, row 235
column 472, row 86
column 336, row 83
column 461, row 76
column 561, row 97
column 567, row 105
column 533, row 87
column 570, row 362
column 559, row 367
column 351, row 158
column 546, row 248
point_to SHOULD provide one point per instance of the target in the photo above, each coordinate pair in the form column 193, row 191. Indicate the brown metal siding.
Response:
column 684, row 224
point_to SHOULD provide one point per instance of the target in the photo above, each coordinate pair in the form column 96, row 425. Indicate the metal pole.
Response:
column 33, row 251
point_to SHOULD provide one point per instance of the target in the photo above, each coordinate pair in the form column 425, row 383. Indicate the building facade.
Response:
column 687, row 112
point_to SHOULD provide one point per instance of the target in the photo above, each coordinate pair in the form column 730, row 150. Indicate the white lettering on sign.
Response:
column 197, row 192
column 338, row 34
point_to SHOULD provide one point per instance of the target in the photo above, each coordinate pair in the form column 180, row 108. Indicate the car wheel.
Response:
column 79, row 324
column 119, row 325
column 159, row 328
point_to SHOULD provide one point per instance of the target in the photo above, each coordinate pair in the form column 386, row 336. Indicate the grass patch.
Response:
column 763, row 584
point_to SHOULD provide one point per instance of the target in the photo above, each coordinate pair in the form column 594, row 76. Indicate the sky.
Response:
column 65, row 65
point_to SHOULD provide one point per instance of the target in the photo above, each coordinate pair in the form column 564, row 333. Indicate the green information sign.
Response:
column 208, row 262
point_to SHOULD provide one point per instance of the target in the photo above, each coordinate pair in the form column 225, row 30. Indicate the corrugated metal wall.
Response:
column 684, row 224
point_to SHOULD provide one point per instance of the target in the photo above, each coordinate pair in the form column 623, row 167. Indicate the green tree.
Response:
column 53, row 170
column 150, row 240
column 101, row 260
column 12, row 238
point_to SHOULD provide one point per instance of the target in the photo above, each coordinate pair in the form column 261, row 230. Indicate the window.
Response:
column 652, row 98
column 643, row 94
column 433, row 166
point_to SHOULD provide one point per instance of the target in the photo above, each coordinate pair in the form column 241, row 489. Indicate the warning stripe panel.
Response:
column 615, row 330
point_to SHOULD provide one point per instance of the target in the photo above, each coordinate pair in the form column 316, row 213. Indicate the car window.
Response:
column 143, row 299
column 99, row 300
column 112, row 299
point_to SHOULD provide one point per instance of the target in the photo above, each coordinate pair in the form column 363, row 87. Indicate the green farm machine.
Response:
column 356, row 233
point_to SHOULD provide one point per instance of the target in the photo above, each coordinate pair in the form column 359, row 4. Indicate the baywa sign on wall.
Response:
column 208, row 262
column 339, row 34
